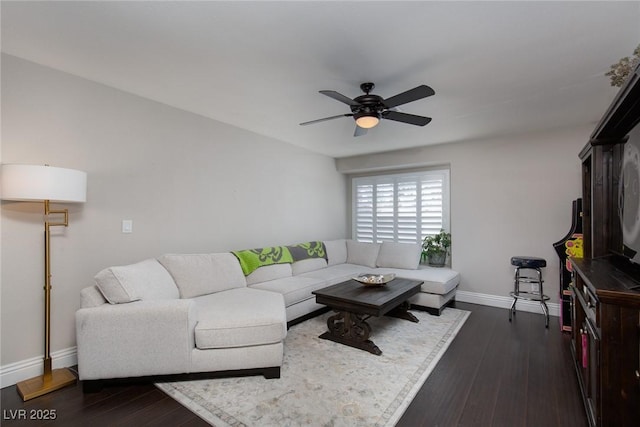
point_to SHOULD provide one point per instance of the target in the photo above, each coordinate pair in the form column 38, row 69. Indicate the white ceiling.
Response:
column 497, row 68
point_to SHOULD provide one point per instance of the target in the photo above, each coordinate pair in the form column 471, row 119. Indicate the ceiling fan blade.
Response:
column 360, row 131
column 325, row 119
column 339, row 97
column 411, row 95
column 412, row 119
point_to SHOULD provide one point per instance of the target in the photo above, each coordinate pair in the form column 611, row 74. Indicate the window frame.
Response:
column 439, row 172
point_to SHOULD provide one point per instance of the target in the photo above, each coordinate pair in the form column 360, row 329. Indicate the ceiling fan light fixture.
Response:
column 367, row 120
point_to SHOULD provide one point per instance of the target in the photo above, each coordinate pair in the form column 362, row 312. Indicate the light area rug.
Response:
column 328, row 384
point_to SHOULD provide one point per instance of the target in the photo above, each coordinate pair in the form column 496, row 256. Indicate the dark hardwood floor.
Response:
column 495, row 373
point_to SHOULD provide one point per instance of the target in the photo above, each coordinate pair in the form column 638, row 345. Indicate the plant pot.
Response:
column 437, row 260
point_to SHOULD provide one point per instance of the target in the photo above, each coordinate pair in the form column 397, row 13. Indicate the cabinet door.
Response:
column 577, row 319
column 591, row 371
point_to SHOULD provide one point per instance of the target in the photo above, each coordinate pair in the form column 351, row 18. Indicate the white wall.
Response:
column 190, row 184
column 509, row 196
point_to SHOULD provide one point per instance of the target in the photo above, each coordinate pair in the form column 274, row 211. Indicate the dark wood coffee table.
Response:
column 355, row 303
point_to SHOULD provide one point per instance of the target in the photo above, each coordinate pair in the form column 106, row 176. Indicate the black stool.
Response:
column 535, row 264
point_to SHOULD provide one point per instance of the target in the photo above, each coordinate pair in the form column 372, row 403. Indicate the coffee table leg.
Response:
column 402, row 312
column 350, row 329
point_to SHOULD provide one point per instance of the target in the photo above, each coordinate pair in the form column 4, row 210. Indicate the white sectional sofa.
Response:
column 188, row 315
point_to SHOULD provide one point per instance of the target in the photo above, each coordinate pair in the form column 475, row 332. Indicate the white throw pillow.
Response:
column 336, row 251
column 399, row 255
column 361, row 253
column 144, row 280
column 202, row 274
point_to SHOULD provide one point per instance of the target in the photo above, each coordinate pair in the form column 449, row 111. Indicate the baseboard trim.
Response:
column 505, row 302
column 23, row 370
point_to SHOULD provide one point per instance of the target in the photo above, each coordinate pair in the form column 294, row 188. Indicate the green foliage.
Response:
column 621, row 70
column 436, row 244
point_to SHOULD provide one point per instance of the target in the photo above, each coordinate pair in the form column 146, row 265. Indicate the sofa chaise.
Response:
column 184, row 316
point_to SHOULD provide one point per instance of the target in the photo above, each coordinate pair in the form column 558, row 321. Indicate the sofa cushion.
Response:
column 201, row 274
column 436, row 280
column 143, row 280
column 92, row 297
column 362, row 253
column 399, row 255
column 240, row 318
column 294, row 289
column 336, row 251
column 269, row 272
column 338, row 273
column 306, row 265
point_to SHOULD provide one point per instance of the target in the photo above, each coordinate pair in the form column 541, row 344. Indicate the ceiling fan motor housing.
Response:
column 368, row 104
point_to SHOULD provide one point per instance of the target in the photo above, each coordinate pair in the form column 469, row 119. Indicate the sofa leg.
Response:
column 434, row 311
column 271, row 373
column 92, row 386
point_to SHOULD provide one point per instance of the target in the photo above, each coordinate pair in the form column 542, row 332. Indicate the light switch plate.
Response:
column 127, row 226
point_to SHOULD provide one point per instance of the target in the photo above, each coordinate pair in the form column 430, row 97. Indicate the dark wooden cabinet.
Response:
column 605, row 288
column 606, row 339
column 601, row 227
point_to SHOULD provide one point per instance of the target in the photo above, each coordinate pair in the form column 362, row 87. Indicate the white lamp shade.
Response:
column 35, row 182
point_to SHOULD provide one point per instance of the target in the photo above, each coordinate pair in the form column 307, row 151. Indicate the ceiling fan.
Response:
column 368, row 109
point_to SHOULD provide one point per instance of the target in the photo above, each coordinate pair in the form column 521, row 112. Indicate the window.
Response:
column 401, row 207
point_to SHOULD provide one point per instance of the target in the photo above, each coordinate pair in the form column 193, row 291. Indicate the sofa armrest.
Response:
column 148, row 337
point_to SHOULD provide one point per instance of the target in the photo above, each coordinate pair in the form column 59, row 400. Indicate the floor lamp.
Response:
column 44, row 184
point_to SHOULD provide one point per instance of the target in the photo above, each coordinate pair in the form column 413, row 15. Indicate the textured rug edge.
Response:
column 393, row 414
column 190, row 404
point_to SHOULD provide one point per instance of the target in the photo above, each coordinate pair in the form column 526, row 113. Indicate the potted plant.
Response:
column 435, row 248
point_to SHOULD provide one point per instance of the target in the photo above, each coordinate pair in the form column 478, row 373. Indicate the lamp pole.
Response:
column 51, row 379
column 47, row 280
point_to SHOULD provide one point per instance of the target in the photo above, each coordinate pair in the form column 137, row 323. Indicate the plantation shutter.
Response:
column 401, row 207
